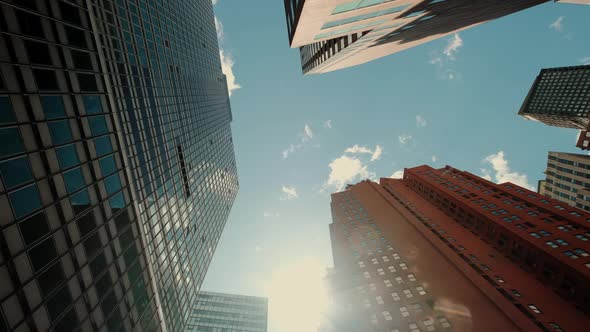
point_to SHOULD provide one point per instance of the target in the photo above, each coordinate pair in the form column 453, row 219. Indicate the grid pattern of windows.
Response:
column 116, row 162
column 560, row 97
column 568, row 179
column 227, row 312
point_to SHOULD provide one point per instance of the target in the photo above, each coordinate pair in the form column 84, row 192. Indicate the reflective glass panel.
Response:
column 53, row 107
column 112, row 183
column 74, row 180
column 92, row 104
column 60, row 132
column 16, row 171
column 11, row 141
column 25, row 200
column 103, row 145
column 34, row 228
column 67, row 156
column 98, row 125
column 107, row 165
column 6, row 113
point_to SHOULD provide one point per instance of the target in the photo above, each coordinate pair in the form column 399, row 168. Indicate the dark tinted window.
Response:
column 122, row 220
column 103, row 145
column 81, row 60
column 67, row 156
column 98, row 265
column 87, row 82
column 2, row 86
column 70, row 13
column 38, row 52
column 103, row 285
column 53, row 107
column 34, row 228
column 68, row 323
column 58, row 303
column 86, row 224
column 92, row 245
column 42, row 254
column 80, row 201
column 11, row 142
column 98, row 125
column 107, row 165
column 60, row 132
column 30, row 24
column 16, row 171
column 76, row 37
column 46, row 79
column 25, row 200
column 117, row 202
column 112, row 184
column 50, row 279
column 6, row 112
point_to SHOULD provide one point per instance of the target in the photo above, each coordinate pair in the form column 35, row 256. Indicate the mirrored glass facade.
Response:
column 116, row 162
column 218, row 312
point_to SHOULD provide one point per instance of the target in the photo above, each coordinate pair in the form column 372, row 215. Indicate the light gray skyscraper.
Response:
column 116, row 162
column 568, row 179
column 228, row 312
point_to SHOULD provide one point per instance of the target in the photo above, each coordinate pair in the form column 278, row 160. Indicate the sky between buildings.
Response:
column 298, row 139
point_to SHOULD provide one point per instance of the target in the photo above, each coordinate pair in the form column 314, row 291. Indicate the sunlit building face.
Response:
column 445, row 250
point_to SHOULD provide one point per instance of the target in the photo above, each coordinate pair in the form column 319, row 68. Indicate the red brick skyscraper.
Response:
column 445, row 250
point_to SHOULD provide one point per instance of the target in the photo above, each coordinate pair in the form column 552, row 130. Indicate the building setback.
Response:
column 228, row 312
column 560, row 97
column 336, row 34
column 116, row 162
column 445, row 250
column 568, row 179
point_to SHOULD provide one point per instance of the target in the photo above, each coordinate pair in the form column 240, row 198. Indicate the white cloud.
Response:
column 269, row 214
column 346, row 170
column 227, row 61
column 397, row 174
column 292, row 148
column 434, row 159
column 214, row 2
column 328, row 124
column 420, row 121
column 404, row 139
column 453, row 46
column 307, row 132
column 502, row 172
column 585, row 61
column 557, row 25
column 377, row 153
column 289, row 193
column 357, row 149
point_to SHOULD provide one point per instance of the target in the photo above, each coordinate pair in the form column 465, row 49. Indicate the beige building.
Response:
column 568, row 179
column 335, row 34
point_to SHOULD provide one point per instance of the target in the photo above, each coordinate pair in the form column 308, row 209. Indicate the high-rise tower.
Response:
column 335, row 34
column 116, row 160
column 445, row 250
column 560, row 97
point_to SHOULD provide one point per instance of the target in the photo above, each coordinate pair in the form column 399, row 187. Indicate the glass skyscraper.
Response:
column 228, row 312
column 116, row 160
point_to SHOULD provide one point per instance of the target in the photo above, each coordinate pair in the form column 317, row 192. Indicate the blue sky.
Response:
column 452, row 101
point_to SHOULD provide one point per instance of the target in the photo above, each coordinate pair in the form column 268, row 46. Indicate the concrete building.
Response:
column 560, row 97
column 445, row 250
column 116, row 162
column 568, row 179
column 576, row 2
column 336, row 34
column 228, row 312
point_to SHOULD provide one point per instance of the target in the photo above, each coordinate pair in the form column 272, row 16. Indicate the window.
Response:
column 581, row 252
column 551, row 244
column 70, row 13
column 25, row 200
column 67, row 156
column 421, row 290
column 60, row 132
column 429, row 324
column 395, row 296
column 15, row 172
column 444, row 322
column 11, row 141
column 399, row 280
column 367, row 275
column 6, row 112
column 408, row 293
column 361, row 264
column 53, row 107
column 86, row 224
column 92, row 104
column 379, row 299
column 411, row 277
column 387, row 283
column 103, row 145
column 42, row 254
column 38, row 52
column 34, row 228
column 30, row 24
column 516, row 293
column 76, row 37
column 46, row 79
column 50, row 279
column 403, row 266
column 80, row 201
column 386, row 315
column 391, row 268
column 404, row 311
column 81, row 60
column 364, row 16
column 74, row 180
column 561, row 242
column 113, row 184
column 380, row 271
column 87, row 82
column 534, row 309
column 413, row 327
column 98, row 125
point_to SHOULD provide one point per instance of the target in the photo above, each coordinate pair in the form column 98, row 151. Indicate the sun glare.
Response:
column 297, row 296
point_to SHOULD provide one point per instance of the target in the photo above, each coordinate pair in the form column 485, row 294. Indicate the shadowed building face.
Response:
column 335, row 34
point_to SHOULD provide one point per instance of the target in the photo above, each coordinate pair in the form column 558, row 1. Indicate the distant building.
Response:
column 445, row 250
column 568, row 179
column 336, row 34
column 560, row 97
column 577, row 2
column 228, row 312
column 584, row 140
